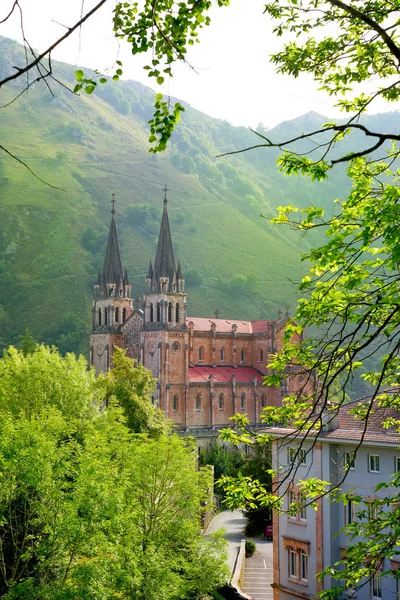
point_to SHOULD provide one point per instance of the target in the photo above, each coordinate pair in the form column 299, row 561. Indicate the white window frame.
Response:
column 372, row 460
column 303, row 566
column 292, row 557
column 302, row 456
column 290, row 455
column 376, row 586
column 349, row 512
column 350, row 460
column 303, row 509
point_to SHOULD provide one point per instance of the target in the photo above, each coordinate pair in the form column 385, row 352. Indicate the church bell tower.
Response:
column 112, row 303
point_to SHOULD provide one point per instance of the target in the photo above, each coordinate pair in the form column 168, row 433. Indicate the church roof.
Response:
column 164, row 265
column 225, row 325
column 224, row 374
column 112, row 268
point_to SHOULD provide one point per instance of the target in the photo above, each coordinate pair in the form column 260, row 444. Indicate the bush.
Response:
column 250, row 547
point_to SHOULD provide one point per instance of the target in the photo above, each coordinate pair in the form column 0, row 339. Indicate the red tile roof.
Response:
column 224, row 374
column 225, row 325
column 351, row 428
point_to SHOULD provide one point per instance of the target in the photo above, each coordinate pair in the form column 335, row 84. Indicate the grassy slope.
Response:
column 87, row 146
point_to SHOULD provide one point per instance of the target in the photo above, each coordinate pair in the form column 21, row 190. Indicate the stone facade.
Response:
column 207, row 369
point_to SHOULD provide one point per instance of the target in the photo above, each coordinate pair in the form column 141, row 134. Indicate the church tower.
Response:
column 165, row 335
column 112, row 302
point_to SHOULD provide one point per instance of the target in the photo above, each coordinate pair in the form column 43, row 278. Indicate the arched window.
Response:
column 242, row 401
column 169, row 312
column 124, row 315
column 242, row 355
column 261, row 355
column 117, row 314
column 158, row 312
column 105, row 316
column 151, row 312
column 99, row 317
column 177, row 313
column 198, row 402
column 263, row 400
column 221, row 402
column 175, row 402
column 222, row 354
column 152, row 399
column 201, row 353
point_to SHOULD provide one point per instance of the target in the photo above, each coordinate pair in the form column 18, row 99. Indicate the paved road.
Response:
column 257, row 576
column 233, row 522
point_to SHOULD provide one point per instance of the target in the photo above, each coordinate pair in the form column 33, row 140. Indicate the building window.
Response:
column 297, row 506
column 242, row 357
column 123, row 315
column 99, row 317
column 151, row 312
column 158, row 312
column 374, row 463
column 175, row 403
column 201, row 353
column 292, row 563
column 372, row 512
column 263, row 399
column 242, row 401
column 152, row 399
column 302, row 456
column 222, row 354
column 296, row 454
column 290, row 455
column 349, row 460
column 197, row 401
column 117, row 314
column 303, row 508
column 377, row 585
column 349, row 512
column 169, row 312
column 261, row 356
column 397, row 464
column 105, row 316
column 177, row 313
column 303, row 566
column 221, row 402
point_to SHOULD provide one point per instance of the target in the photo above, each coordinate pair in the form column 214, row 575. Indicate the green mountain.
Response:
column 52, row 241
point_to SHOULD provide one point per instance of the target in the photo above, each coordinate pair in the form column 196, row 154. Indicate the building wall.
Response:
column 319, row 530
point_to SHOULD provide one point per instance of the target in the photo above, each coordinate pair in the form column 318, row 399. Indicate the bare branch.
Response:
column 54, row 187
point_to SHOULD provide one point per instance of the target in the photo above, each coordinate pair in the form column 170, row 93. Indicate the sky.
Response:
column 231, row 77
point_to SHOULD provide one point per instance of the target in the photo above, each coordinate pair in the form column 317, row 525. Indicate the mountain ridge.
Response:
column 52, row 242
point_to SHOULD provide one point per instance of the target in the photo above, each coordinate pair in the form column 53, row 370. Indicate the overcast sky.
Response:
column 233, row 79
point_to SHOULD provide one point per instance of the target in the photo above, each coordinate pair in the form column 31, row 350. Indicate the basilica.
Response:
column 207, row 368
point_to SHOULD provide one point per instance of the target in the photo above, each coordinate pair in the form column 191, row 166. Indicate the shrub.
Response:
column 250, row 547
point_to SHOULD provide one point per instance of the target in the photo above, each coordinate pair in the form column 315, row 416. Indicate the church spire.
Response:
column 164, row 265
column 113, row 279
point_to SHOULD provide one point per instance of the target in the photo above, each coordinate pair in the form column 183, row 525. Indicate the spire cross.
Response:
column 113, row 204
column 165, row 190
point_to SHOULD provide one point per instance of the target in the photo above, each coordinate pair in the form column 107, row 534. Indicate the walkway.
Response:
column 257, row 576
column 234, row 523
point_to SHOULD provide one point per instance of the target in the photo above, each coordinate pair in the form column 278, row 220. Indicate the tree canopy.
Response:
column 89, row 509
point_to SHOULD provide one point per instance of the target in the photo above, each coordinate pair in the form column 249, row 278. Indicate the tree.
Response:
column 132, row 386
column 352, row 291
column 87, row 508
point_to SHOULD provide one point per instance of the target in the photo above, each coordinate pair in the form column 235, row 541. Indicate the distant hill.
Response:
column 52, row 242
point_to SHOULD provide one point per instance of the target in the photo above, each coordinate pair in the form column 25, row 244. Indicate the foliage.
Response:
column 87, row 509
column 250, row 547
column 132, row 386
column 226, row 460
column 27, row 344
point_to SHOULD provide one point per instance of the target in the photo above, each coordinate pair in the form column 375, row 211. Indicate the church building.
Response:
column 207, row 368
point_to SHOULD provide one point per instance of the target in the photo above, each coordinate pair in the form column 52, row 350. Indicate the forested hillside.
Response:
column 52, row 241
